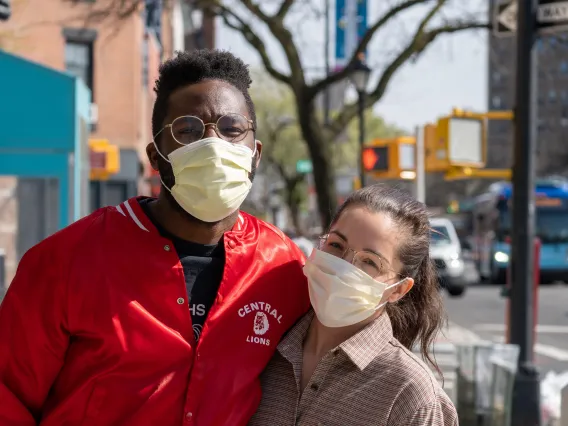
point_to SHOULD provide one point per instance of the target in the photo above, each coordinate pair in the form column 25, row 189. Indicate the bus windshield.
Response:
column 551, row 225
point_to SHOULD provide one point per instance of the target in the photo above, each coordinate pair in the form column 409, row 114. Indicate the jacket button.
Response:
column 180, row 300
column 188, row 415
column 167, row 248
column 232, row 244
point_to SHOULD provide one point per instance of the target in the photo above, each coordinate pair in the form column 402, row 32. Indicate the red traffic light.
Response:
column 375, row 159
column 370, row 158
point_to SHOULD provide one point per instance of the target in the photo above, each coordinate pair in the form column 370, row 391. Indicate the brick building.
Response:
column 118, row 61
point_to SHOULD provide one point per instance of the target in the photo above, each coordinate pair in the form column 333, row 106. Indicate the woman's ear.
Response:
column 399, row 292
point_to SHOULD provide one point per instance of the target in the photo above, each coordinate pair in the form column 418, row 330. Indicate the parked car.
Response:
column 447, row 254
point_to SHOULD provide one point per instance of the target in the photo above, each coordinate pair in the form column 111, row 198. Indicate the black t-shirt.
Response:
column 203, row 266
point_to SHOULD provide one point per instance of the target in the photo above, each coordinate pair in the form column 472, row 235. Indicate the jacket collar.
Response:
column 131, row 209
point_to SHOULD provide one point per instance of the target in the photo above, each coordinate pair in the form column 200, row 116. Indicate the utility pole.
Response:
column 361, row 106
column 326, row 100
column 420, row 165
column 526, row 394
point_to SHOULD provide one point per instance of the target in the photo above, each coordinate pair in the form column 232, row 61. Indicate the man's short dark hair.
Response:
column 196, row 66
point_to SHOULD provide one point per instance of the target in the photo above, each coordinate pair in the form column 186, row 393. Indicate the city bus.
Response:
column 492, row 229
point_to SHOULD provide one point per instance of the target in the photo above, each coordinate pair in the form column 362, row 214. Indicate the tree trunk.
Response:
column 320, row 154
column 294, row 206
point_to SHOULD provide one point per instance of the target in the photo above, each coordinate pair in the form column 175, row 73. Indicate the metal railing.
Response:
column 564, row 407
column 485, row 379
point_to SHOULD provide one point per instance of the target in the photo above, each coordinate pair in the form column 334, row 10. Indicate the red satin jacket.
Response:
column 95, row 328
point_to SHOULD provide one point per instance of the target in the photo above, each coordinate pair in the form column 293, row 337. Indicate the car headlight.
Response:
column 455, row 263
column 501, row 257
column 455, row 256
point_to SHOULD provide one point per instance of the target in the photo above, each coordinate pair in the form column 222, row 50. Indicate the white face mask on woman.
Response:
column 342, row 294
column 211, row 177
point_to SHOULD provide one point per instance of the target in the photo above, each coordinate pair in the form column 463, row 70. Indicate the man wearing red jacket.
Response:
column 159, row 312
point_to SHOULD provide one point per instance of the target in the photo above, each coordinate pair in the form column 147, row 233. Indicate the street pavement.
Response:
column 480, row 313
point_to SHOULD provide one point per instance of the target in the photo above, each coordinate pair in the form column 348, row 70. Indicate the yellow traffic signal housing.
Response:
column 463, row 173
column 464, row 140
column 104, row 159
column 436, row 154
column 390, row 158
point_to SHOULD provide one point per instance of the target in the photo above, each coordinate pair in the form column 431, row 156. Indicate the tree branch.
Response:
column 279, row 167
column 286, row 40
column 421, row 40
column 284, row 9
column 256, row 10
column 381, row 22
column 250, row 36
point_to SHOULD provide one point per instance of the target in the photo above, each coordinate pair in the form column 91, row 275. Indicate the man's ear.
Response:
column 258, row 150
column 153, row 155
column 400, row 291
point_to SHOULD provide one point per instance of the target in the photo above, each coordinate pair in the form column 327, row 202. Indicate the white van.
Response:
column 446, row 252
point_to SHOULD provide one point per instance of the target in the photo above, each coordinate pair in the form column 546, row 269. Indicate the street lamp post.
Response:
column 360, row 79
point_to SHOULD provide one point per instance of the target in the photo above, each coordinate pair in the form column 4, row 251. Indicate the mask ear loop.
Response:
column 158, row 149
column 380, row 305
column 255, row 147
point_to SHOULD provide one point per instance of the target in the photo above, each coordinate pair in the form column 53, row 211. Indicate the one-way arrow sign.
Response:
column 552, row 16
column 506, row 17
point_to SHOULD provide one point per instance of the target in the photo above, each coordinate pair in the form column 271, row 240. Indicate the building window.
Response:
column 564, row 67
column 496, row 102
column 552, row 96
column 79, row 61
column 145, row 62
column 79, row 55
column 496, row 75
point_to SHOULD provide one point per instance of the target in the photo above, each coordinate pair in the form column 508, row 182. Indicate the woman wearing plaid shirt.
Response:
column 374, row 293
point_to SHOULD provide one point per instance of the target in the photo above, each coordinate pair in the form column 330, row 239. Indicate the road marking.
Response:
column 541, row 328
column 458, row 334
column 543, row 350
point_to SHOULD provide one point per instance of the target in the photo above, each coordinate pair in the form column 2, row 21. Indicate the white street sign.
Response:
column 552, row 16
column 508, row 16
column 553, row 13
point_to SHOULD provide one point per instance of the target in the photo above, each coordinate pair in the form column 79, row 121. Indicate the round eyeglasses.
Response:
column 370, row 263
column 229, row 127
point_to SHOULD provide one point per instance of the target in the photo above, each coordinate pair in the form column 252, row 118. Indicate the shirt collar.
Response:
column 368, row 343
column 361, row 349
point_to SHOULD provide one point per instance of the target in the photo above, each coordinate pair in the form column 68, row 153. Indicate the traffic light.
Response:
column 5, row 9
column 104, row 159
column 453, row 207
column 376, row 159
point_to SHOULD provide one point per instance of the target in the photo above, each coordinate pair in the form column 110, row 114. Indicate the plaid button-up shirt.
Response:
column 368, row 380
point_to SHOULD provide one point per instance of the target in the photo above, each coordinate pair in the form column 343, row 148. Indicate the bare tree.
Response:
column 244, row 15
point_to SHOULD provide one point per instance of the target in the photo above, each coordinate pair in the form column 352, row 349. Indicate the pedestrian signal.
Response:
column 376, row 159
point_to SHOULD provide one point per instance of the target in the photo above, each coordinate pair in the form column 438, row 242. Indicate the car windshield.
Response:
column 439, row 235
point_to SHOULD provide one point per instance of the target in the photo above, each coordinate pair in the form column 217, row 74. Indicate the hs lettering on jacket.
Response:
column 261, row 322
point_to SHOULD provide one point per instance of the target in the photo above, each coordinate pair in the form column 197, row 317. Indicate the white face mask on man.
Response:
column 211, row 177
column 341, row 294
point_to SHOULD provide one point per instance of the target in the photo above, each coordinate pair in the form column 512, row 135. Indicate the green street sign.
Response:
column 304, row 166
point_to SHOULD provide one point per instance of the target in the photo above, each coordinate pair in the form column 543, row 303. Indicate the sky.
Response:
column 451, row 73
